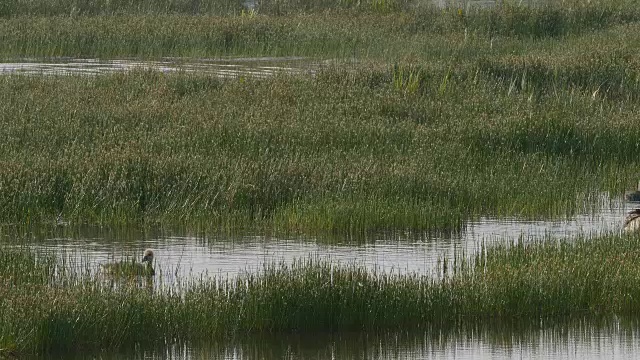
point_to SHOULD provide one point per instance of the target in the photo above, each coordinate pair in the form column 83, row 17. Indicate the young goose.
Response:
column 148, row 258
column 133, row 268
column 632, row 221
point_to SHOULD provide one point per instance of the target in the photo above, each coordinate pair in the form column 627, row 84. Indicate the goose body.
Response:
column 133, row 268
column 632, row 221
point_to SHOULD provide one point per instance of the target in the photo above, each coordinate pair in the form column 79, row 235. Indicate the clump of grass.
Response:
column 535, row 282
column 603, row 73
column 408, row 79
column 553, row 19
column 19, row 267
column 357, row 216
column 154, row 36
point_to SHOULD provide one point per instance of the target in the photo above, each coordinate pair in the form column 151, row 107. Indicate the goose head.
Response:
column 148, row 256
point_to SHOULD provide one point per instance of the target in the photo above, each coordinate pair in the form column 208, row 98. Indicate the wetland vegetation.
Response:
column 419, row 118
column 395, row 147
column 437, row 115
column 49, row 304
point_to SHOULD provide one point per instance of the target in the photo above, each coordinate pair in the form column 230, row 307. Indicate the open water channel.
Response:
column 182, row 255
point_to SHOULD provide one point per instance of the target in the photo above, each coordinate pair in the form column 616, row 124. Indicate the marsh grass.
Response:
column 530, row 283
column 479, row 115
column 283, row 7
column 190, row 7
column 357, row 150
column 547, row 19
column 389, row 29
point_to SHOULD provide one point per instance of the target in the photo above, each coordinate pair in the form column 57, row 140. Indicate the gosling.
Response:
column 632, row 221
column 148, row 258
column 132, row 268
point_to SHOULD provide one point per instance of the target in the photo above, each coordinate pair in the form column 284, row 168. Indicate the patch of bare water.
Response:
column 466, row 4
column 225, row 68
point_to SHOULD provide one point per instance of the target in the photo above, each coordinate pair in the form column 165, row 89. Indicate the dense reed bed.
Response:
column 346, row 150
column 48, row 306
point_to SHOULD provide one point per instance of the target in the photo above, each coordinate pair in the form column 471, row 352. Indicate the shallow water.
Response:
column 575, row 340
column 181, row 255
column 225, row 68
column 483, row 3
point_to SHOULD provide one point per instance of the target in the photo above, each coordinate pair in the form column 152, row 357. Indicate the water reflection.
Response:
column 182, row 254
column 468, row 4
column 579, row 339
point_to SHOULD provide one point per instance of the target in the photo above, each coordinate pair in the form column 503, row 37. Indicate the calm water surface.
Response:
column 577, row 340
column 187, row 255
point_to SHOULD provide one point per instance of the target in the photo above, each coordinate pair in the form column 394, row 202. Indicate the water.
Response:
column 224, row 68
column 574, row 340
column 181, row 255
column 467, row 4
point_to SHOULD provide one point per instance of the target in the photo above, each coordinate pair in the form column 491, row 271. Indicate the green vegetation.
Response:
column 443, row 115
column 417, row 118
column 118, row 7
column 423, row 33
column 48, row 305
column 346, row 150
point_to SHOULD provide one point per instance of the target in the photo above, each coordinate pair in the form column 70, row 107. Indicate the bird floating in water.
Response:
column 632, row 221
column 132, row 267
